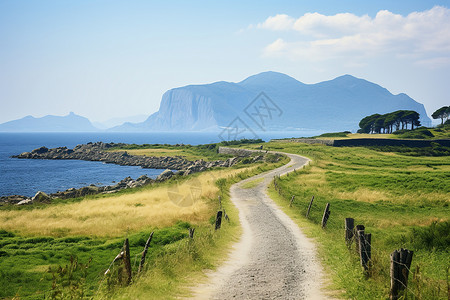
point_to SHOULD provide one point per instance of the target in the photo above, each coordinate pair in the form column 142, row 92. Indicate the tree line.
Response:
column 386, row 123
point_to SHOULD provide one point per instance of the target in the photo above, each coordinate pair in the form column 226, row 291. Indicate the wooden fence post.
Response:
column 127, row 260
column 191, row 232
column 309, row 207
column 355, row 235
column 349, row 225
column 144, row 254
column 218, row 220
column 326, row 215
column 400, row 265
column 292, row 201
column 364, row 248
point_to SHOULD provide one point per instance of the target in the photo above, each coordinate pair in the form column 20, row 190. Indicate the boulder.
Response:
column 26, row 201
column 142, row 178
column 13, row 199
column 41, row 197
column 40, row 150
column 165, row 175
column 88, row 190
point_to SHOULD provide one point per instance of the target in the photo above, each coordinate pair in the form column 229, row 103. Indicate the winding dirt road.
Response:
column 273, row 259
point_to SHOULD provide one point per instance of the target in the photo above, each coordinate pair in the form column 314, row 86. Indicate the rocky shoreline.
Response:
column 97, row 152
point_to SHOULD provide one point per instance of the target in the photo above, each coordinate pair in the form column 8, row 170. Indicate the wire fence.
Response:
column 374, row 251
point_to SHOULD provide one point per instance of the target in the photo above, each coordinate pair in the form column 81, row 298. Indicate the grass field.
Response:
column 206, row 152
column 184, row 152
column 112, row 215
column 62, row 250
column 403, row 201
column 440, row 132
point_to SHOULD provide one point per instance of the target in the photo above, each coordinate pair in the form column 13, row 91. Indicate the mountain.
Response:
column 69, row 123
column 119, row 121
column 274, row 101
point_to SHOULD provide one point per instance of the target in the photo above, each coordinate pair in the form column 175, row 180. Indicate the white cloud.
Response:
column 276, row 47
column 419, row 36
column 278, row 22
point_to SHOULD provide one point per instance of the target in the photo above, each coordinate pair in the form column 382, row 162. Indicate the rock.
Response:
column 165, row 175
column 87, row 190
column 94, row 152
column 142, row 178
column 41, row 197
column 180, row 172
column 40, row 150
column 26, row 201
column 13, row 199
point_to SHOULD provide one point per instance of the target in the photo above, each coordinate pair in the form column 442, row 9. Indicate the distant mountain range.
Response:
column 69, row 123
column 266, row 101
column 274, row 101
column 119, row 121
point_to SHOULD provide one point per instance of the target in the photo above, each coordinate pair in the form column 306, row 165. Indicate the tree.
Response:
column 442, row 113
column 377, row 123
column 367, row 123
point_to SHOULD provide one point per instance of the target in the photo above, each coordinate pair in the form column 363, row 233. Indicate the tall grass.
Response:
column 36, row 256
column 113, row 215
column 403, row 201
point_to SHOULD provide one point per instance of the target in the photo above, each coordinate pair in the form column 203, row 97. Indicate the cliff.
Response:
column 285, row 104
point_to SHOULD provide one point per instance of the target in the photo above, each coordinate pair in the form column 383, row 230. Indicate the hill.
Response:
column 274, row 101
column 49, row 123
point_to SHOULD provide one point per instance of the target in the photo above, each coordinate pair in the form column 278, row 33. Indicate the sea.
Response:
column 27, row 176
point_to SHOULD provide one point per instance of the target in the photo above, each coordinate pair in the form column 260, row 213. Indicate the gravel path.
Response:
column 273, row 259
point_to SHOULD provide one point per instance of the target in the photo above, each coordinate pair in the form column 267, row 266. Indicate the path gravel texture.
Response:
column 273, row 259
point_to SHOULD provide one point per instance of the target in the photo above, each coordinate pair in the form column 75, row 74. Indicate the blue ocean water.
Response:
column 27, row 176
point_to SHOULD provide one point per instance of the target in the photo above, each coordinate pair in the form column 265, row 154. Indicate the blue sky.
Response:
column 105, row 59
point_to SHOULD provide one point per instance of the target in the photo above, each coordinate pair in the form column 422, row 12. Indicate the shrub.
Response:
column 272, row 158
column 335, row 134
column 419, row 133
column 430, row 237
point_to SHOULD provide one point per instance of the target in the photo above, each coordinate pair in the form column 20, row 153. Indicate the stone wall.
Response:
column 307, row 141
column 235, row 151
column 370, row 142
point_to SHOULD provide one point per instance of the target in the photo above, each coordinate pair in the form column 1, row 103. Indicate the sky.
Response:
column 109, row 59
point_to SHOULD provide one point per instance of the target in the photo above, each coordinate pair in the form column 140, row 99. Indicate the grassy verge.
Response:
column 62, row 250
column 403, row 201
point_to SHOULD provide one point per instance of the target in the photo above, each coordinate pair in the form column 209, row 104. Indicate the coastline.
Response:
column 173, row 165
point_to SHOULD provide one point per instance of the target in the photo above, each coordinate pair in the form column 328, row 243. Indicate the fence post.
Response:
column 144, row 254
column 292, row 201
column 127, row 260
column 191, row 232
column 218, row 220
column 355, row 235
column 309, row 207
column 400, row 265
column 364, row 248
column 326, row 215
column 349, row 225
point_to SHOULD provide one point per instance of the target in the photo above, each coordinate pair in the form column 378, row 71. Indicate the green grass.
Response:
column 208, row 152
column 334, row 134
column 435, row 150
column 25, row 262
column 403, row 201
column 173, row 273
column 39, row 267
